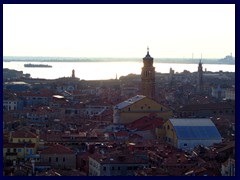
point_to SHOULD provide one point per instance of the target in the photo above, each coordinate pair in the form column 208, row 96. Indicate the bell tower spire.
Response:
column 148, row 76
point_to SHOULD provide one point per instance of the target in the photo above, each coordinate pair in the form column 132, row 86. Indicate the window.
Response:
column 49, row 159
column 8, row 150
column 119, row 168
column 19, row 150
column 168, row 127
column 104, row 168
column 161, row 109
column 14, row 150
column 129, row 109
column 185, row 144
column 141, row 107
column 63, row 159
column 56, row 159
column 129, row 168
column 113, row 168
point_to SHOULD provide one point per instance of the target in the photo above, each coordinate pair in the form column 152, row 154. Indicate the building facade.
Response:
column 59, row 157
column 137, row 107
column 188, row 133
column 117, row 165
column 230, row 94
column 218, row 92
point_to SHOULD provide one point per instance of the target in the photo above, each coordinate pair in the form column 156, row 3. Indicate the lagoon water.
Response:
column 105, row 70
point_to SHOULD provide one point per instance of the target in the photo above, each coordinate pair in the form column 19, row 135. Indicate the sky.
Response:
column 126, row 30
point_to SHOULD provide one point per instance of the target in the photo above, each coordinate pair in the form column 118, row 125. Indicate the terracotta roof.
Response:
column 145, row 123
column 118, row 157
column 18, row 145
column 23, row 134
column 121, row 134
column 229, row 145
column 211, row 106
column 57, row 149
column 34, row 94
column 135, row 136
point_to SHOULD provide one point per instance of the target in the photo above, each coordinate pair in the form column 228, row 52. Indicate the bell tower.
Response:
column 148, row 77
column 200, row 78
column 73, row 73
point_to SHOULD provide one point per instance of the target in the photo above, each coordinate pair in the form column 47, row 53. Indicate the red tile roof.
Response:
column 211, row 106
column 121, row 134
column 23, row 134
column 145, row 123
column 57, row 149
column 18, row 145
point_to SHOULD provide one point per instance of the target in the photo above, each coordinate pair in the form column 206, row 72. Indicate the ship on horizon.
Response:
column 38, row 65
column 229, row 59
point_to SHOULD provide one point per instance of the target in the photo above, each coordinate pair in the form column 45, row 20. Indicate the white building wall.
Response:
column 94, row 168
column 10, row 105
column 230, row 94
column 190, row 144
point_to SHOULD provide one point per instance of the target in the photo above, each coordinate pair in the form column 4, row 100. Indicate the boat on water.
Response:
column 38, row 65
column 229, row 59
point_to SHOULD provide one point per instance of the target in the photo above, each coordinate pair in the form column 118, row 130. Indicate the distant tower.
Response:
column 200, row 78
column 148, row 77
column 171, row 73
column 73, row 73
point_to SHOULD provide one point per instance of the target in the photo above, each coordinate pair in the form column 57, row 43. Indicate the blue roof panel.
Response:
column 197, row 132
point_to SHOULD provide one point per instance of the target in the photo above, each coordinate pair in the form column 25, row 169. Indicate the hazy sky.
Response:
column 170, row 31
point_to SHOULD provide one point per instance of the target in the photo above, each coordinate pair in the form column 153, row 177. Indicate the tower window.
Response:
column 128, row 109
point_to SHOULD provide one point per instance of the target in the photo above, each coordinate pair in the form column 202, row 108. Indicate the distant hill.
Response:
column 226, row 60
